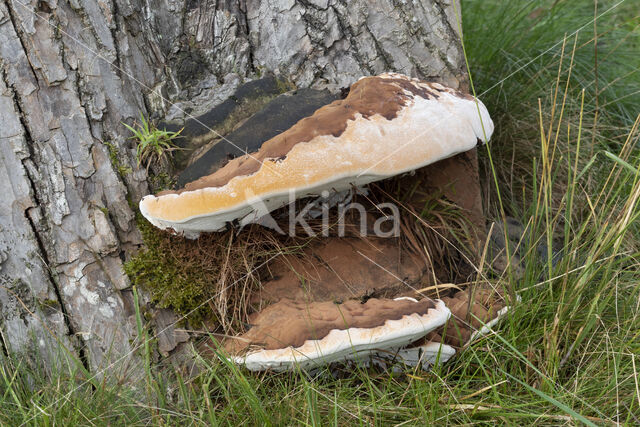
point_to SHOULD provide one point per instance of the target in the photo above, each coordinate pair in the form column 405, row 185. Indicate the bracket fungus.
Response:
column 326, row 304
column 324, row 332
column 387, row 125
column 381, row 332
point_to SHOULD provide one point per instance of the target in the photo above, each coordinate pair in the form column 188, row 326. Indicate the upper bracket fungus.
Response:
column 387, row 125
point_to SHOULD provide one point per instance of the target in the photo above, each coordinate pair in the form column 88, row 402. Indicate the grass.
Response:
column 153, row 146
column 566, row 163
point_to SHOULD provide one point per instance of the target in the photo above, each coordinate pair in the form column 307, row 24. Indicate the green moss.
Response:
column 114, row 155
column 209, row 278
column 196, row 146
column 132, row 204
column 171, row 283
column 246, row 109
column 49, row 306
column 199, row 145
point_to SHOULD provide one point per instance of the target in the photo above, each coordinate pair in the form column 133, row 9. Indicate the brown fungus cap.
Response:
column 313, row 321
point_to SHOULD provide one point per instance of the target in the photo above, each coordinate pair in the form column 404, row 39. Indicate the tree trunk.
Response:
column 74, row 71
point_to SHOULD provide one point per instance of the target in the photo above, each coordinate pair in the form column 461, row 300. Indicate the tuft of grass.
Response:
column 153, row 146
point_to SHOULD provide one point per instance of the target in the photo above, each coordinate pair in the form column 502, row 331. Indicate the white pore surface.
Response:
column 398, row 359
column 348, row 344
column 370, row 149
column 426, row 355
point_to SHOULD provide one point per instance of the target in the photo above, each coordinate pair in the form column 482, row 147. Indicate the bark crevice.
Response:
column 37, row 229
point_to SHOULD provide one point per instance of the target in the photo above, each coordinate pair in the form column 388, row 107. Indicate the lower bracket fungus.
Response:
column 380, row 332
column 321, row 333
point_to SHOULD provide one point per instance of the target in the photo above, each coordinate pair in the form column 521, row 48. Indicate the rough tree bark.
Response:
column 73, row 71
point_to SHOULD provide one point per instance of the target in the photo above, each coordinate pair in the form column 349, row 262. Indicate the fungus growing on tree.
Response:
column 310, row 334
column 387, row 125
column 382, row 332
